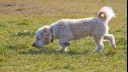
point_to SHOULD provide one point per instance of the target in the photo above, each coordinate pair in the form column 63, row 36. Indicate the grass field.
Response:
column 19, row 19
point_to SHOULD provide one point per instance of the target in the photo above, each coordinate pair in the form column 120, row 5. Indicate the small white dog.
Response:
column 72, row 29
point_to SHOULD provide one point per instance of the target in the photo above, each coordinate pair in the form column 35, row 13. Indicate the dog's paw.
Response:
column 114, row 46
column 60, row 50
column 97, row 51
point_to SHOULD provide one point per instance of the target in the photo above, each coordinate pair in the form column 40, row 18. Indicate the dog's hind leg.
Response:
column 99, row 44
column 111, row 38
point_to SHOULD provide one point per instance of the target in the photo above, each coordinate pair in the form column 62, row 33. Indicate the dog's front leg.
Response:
column 63, row 45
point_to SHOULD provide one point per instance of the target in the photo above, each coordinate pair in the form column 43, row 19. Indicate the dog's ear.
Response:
column 45, row 30
column 46, row 33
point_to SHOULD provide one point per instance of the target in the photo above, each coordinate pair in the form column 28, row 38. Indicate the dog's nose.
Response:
column 34, row 45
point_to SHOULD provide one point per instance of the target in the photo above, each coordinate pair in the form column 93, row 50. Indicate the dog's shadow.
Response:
column 49, row 51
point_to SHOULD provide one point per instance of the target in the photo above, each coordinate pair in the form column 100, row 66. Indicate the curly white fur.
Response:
column 72, row 29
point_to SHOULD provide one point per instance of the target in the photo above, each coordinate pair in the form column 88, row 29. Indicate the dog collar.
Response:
column 52, row 35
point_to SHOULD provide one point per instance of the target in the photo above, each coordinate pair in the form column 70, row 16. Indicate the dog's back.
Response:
column 75, row 28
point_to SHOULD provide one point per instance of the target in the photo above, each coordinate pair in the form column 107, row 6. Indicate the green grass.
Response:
column 20, row 19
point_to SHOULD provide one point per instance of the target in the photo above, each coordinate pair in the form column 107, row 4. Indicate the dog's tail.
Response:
column 106, row 13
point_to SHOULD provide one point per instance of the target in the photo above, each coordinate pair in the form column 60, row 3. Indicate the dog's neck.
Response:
column 52, row 35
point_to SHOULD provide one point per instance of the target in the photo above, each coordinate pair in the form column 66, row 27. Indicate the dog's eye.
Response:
column 47, row 35
column 41, row 33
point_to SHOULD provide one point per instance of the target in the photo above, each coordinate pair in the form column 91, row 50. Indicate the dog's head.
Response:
column 43, row 36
